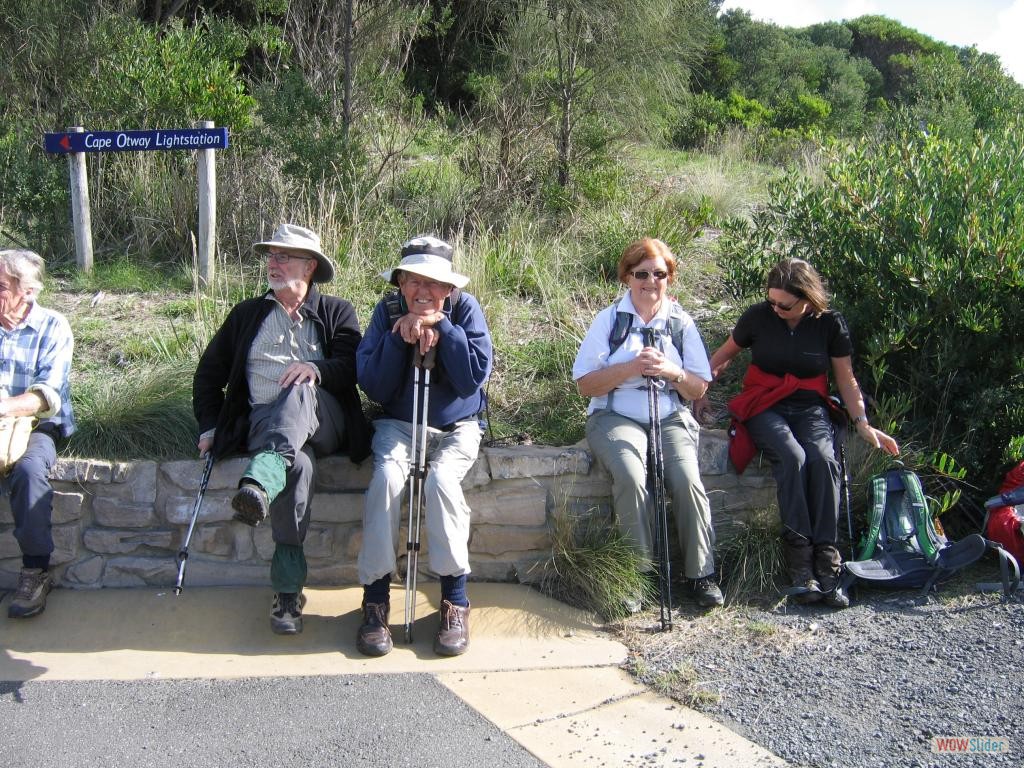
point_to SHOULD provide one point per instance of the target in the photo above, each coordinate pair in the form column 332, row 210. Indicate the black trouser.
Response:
column 797, row 439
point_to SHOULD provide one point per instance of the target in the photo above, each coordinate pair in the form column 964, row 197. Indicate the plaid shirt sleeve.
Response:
column 36, row 357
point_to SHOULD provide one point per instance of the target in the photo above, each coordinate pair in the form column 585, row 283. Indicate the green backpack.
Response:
column 902, row 548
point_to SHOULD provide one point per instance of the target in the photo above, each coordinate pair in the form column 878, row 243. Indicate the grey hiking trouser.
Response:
column 797, row 439
column 620, row 444
column 302, row 423
column 450, row 456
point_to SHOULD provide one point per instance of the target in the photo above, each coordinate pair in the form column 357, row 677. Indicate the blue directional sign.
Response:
column 137, row 141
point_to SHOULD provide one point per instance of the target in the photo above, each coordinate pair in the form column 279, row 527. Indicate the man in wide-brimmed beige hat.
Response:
column 278, row 381
column 429, row 312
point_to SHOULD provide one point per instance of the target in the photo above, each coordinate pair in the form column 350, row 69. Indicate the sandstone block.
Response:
column 85, row 573
column 82, row 471
column 343, row 507
column 216, row 508
column 338, row 473
column 504, row 540
column 67, row 507
column 118, row 513
column 134, row 481
column 108, row 542
column 187, row 475
column 538, row 461
column 524, row 504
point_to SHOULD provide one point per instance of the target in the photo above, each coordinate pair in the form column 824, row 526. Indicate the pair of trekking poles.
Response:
column 656, row 484
column 422, row 366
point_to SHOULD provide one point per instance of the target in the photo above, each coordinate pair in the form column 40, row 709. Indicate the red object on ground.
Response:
column 1006, row 524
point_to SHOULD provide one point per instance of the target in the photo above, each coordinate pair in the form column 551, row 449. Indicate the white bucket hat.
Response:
column 300, row 238
column 428, row 256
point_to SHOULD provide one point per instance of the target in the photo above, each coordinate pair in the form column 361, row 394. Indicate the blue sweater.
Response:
column 464, row 360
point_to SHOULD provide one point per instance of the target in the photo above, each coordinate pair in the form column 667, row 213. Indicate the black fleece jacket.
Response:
column 220, row 390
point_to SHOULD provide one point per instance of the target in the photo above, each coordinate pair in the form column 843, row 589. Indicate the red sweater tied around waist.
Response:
column 760, row 392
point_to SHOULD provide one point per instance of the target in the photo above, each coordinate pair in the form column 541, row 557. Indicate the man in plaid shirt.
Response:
column 35, row 360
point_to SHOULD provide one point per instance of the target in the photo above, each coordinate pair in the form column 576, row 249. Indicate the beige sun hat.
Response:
column 428, row 256
column 300, row 238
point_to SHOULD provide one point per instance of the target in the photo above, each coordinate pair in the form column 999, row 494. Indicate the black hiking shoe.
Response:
column 286, row 613
column 251, row 504
column 30, row 597
column 706, row 592
column 836, row 598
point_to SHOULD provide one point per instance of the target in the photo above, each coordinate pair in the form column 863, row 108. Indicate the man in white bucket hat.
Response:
column 278, row 381
column 429, row 312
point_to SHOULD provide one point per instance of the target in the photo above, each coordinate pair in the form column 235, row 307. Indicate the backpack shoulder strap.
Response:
column 928, row 539
column 879, row 493
column 677, row 328
column 396, row 307
column 453, row 300
column 620, row 329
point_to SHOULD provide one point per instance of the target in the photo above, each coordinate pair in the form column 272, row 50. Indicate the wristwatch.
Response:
column 679, row 379
column 859, row 419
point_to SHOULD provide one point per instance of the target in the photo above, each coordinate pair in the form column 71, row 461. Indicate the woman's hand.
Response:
column 877, row 438
column 651, row 362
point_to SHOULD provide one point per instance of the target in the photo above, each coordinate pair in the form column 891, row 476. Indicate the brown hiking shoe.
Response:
column 251, row 504
column 30, row 597
column 453, row 635
column 374, row 636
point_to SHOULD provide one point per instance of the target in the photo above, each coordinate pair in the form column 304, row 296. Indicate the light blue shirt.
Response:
column 631, row 396
column 35, row 356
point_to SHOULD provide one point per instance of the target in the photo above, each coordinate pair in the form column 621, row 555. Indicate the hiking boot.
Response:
column 374, row 636
column 799, row 564
column 251, row 504
column 453, row 635
column 706, row 592
column 30, row 597
column 286, row 613
column 828, row 564
column 836, row 598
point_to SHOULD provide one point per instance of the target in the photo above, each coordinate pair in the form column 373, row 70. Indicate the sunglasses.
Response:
column 782, row 307
column 280, row 257
column 643, row 274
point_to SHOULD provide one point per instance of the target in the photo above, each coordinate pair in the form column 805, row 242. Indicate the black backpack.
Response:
column 902, row 548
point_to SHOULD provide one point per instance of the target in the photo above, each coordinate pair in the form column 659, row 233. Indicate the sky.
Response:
column 994, row 26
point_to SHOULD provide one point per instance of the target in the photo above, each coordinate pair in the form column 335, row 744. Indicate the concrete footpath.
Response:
column 140, row 677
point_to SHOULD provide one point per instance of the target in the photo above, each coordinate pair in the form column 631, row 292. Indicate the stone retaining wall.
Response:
column 120, row 524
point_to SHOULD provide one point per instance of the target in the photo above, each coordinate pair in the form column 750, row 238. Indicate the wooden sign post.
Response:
column 204, row 140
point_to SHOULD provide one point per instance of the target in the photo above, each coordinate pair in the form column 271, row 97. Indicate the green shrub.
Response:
column 921, row 240
column 703, row 121
column 145, row 77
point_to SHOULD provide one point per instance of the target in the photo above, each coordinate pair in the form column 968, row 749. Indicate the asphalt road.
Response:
column 351, row 720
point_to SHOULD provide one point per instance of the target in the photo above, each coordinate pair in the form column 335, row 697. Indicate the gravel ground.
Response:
column 866, row 686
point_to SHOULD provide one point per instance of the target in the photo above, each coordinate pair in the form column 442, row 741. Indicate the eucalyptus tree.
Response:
column 608, row 68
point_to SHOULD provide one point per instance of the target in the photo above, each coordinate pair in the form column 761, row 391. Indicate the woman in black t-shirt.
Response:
column 794, row 340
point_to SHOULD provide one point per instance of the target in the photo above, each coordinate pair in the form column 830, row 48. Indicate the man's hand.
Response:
column 204, row 445
column 298, row 373
column 419, row 328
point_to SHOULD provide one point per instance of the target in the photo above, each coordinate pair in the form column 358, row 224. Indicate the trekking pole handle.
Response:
column 419, row 360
